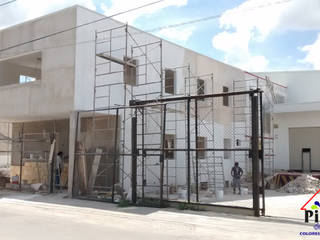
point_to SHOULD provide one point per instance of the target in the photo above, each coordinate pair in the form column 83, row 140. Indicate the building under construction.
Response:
column 137, row 117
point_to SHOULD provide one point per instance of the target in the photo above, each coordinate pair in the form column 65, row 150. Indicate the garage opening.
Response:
column 304, row 147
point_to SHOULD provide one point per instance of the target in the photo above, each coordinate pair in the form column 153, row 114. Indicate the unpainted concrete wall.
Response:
column 53, row 96
column 10, row 73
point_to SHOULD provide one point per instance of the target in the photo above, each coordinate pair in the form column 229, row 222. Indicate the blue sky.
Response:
column 255, row 35
column 275, row 47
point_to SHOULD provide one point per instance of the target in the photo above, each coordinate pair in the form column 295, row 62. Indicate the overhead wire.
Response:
column 81, row 25
column 7, row 3
column 142, row 31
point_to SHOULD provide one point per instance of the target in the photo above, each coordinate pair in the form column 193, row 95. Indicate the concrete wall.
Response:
column 300, row 138
column 84, row 83
column 302, row 86
column 284, row 122
column 85, row 61
column 68, row 63
column 53, row 95
column 301, row 109
column 10, row 73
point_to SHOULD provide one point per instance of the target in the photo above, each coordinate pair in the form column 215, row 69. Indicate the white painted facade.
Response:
column 67, row 67
column 300, row 110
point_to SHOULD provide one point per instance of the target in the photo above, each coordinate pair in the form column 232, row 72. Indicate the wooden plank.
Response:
column 52, row 150
column 94, row 169
column 51, row 166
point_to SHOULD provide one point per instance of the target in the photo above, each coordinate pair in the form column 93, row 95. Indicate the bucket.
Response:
column 244, row 191
column 219, row 194
column 182, row 193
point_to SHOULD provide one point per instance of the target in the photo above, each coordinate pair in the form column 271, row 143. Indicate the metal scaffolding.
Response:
column 148, row 137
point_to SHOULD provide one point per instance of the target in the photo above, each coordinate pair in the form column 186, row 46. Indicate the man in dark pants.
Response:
column 59, row 168
column 236, row 173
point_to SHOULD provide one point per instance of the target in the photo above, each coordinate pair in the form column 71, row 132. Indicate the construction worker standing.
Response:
column 236, row 173
column 59, row 168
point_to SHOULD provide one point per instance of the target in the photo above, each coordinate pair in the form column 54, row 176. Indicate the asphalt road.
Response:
column 52, row 217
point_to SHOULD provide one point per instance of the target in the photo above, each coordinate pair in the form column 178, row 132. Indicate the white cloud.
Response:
column 312, row 56
column 123, row 5
column 23, row 10
column 177, row 34
column 254, row 20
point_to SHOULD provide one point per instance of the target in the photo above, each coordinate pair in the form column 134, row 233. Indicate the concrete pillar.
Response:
column 72, row 143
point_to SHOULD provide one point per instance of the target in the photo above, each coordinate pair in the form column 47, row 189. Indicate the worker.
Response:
column 59, row 168
column 236, row 173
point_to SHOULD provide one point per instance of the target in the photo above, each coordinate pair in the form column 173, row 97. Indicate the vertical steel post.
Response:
column 143, row 153
column 188, row 149
column 21, row 157
column 163, row 135
column 134, row 157
column 197, row 146
column 115, row 154
column 255, row 154
column 262, row 154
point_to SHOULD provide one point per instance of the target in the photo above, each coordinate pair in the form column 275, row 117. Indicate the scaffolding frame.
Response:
column 25, row 144
column 241, row 120
column 144, row 107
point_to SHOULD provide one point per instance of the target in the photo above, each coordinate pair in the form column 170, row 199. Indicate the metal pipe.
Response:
column 134, row 157
column 21, row 157
column 255, row 155
column 188, row 149
column 197, row 146
column 198, row 149
column 171, row 99
column 163, row 135
column 262, row 154
column 143, row 155
column 115, row 154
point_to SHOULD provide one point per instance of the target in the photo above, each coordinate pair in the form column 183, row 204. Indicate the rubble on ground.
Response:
column 4, row 176
column 4, row 172
column 303, row 184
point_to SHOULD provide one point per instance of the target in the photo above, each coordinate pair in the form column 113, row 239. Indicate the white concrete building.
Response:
column 91, row 62
column 297, row 121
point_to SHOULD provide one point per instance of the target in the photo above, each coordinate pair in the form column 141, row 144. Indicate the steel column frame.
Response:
column 115, row 154
column 163, row 133
column 197, row 155
column 255, row 155
column 262, row 153
column 188, row 148
column 186, row 98
column 134, row 157
column 143, row 153
column 21, row 157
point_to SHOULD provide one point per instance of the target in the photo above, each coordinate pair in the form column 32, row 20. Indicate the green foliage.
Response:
column 186, row 206
column 124, row 203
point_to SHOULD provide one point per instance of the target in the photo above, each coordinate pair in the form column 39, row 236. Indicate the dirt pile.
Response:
column 4, row 172
column 302, row 184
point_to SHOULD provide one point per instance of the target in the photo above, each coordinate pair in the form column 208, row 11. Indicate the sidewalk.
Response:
column 55, row 217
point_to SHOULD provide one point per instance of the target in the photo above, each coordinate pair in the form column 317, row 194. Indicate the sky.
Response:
column 254, row 35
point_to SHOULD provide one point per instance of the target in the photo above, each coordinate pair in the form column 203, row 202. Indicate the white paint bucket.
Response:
column 244, row 191
column 182, row 193
column 219, row 194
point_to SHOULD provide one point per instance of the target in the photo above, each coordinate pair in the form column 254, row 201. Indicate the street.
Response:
column 38, row 217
